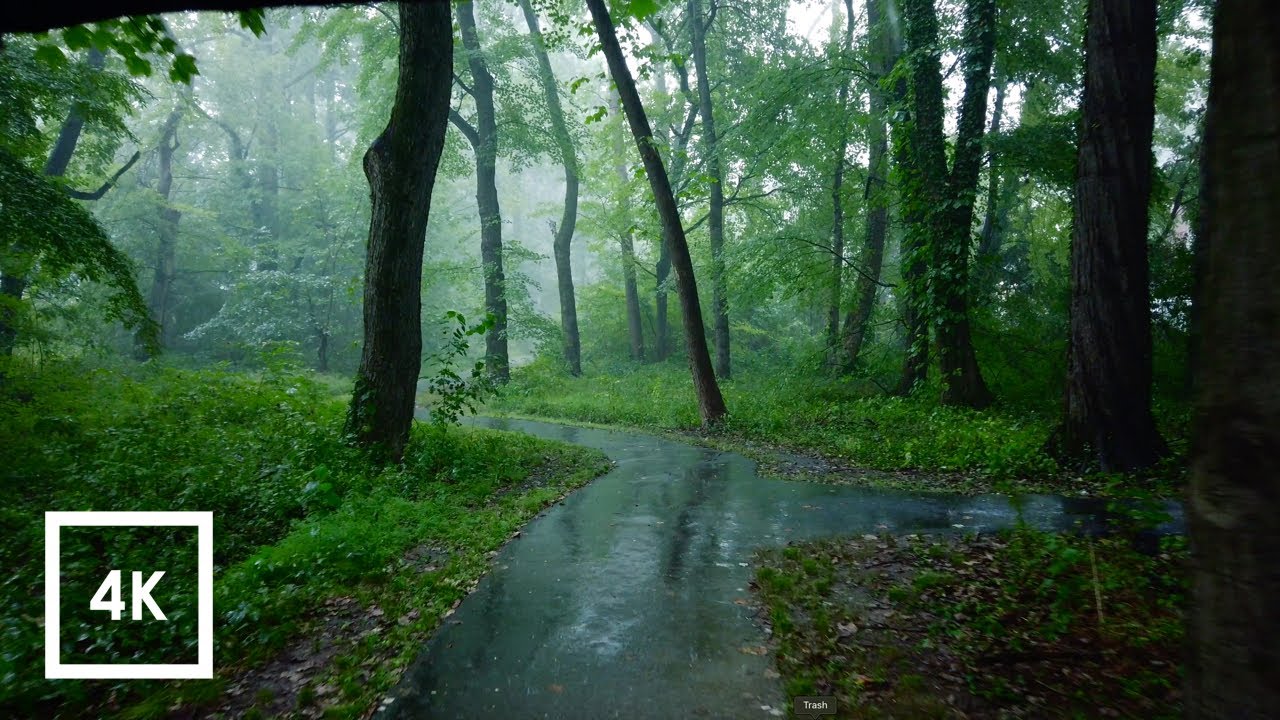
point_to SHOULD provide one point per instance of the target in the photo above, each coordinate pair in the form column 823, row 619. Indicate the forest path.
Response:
column 628, row 599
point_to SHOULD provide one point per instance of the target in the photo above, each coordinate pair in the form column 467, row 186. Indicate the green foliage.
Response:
column 135, row 38
column 41, row 226
column 299, row 517
column 837, row 418
column 452, row 393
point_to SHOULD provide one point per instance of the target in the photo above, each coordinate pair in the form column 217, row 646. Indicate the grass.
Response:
column 843, row 428
column 1021, row 624
column 325, row 566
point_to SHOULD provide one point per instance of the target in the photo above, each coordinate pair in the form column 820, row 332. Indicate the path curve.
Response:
column 627, row 599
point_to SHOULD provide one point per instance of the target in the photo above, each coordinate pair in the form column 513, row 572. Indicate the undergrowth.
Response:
column 299, row 518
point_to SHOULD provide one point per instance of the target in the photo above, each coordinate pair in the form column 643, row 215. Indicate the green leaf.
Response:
column 641, row 9
column 183, row 68
column 77, row 37
column 137, row 65
column 51, row 55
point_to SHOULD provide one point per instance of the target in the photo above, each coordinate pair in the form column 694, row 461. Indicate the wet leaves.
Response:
column 919, row 626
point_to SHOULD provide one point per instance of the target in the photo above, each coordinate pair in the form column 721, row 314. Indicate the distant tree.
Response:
column 1108, row 400
column 563, row 232
column 401, row 167
column 483, row 136
column 885, row 50
column 710, row 402
column 1234, row 628
column 712, row 166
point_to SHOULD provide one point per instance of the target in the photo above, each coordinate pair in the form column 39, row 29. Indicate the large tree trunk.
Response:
column 166, row 244
column 401, row 168
column 1234, row 629
column 710, row 402
column 635, row 329
column 484, row 139
column 715, row 215
column 564, row 231
column 884, row 55
column 13, row 276
column 1108, row 401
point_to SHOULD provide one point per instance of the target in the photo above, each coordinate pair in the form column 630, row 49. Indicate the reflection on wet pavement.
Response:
column 624, row 600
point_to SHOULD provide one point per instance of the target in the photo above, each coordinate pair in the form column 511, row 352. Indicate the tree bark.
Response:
column 1108, row 400
column 401, row 167
column 484, row 139
column 884, row 55
column 1234, row 629
column 715, row 213
column 166, row 243
column 564, row 231
column 837, row 204
column 710, row 402
column 635, row 330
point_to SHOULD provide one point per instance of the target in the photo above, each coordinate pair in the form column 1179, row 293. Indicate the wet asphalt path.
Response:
column 623, row 601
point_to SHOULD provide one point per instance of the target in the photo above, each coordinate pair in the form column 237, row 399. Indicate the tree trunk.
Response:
column 837, row 204
column 484, row 139
column 635, row 330
column 710, row 402
column 401, row 168
column 885, row 53
column 1108, row 401
column 715, row 216
column 1234, row 629
column 13, row 277
column 957, row 362
column 563, row 232
column 162, row 279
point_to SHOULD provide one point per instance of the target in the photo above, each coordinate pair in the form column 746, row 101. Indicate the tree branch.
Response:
column 110, row 183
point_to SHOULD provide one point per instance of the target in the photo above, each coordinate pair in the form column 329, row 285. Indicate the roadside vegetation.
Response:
column 330, row 572
column 841, row 428
column 1018, row 624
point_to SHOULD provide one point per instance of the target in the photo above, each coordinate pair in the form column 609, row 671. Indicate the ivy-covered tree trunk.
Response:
column 945, row 198
column 401, row 168
column 884, row 55
column 1234, row 629
column 484, row 140
column 635, row 330
column 715, row 212
column 710, row 402
column 166, row 243
column 1108, row 401
column 564, row 231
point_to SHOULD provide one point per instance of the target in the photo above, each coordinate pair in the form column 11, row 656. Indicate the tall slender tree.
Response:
column 159, row 301
column 563, row 239
column 712, row 166
column 483, row 137
column 626, row 239
column 711, row 405
column 1108, row 399
column 1234, row 629
column 401, row 168
column 885, row 48
column 837, row 198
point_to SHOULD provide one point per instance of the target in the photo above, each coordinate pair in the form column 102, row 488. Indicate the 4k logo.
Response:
column 109, row 597
column 141, row 596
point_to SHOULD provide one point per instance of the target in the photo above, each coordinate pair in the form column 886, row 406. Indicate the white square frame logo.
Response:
column 54, row 668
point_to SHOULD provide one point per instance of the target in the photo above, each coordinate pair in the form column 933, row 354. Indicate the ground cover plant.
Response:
column 317, row 552
column 1015, row 624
